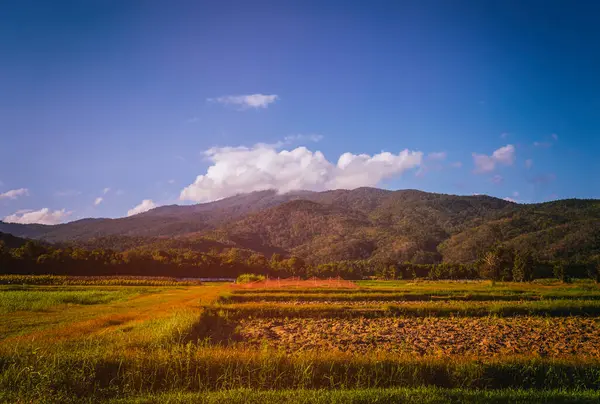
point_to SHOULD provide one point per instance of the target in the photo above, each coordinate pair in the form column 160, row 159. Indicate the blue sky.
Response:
column 132, row 100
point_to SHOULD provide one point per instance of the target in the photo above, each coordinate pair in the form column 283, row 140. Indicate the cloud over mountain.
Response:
column 42, row 216
column 144, row 206
column 237, row 170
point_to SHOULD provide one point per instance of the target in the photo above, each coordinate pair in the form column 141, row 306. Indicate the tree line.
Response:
column 498, row 264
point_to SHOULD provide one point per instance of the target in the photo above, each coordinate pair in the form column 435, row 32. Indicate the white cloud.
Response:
column 528, row 163
column 437, row 156
column 246, row 169
column 145, row 206
column 14, row 193
column 42, row 216
column 515, row 194
column 484, row 163
column 505, row 155
column 504, row 135
column 105, row 191
column 98, row 201
column 247, row 101
column 456, row 164
column 554, row 136
column 171, row 181
column 510, row 200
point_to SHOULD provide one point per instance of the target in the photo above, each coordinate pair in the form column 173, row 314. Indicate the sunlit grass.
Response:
column 151, row 345
column 118, row 318
column 370, row 309
column 410, row 296
column 424, row 395
column 94, row 371
column 94, row 280
column 16, row 300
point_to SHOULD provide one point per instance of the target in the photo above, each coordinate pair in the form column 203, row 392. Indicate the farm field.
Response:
column 111, row 340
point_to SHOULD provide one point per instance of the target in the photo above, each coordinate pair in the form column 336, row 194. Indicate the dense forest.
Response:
column 358, row 233
column 499, row 263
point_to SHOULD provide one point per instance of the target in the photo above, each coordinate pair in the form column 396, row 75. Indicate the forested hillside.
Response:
column 361, row 224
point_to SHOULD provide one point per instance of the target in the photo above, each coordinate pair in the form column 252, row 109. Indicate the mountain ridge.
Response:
column 400, row 225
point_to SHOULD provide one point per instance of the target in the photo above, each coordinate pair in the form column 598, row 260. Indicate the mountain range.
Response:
column 403, row 225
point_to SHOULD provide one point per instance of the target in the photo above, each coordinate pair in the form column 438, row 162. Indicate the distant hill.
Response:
column 11, row 241
column 163, row 221
column 404, row 225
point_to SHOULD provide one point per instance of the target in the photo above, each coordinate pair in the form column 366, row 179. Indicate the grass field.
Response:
column 42, row 300
column 432, row 342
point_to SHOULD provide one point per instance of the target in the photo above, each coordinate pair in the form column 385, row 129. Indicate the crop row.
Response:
column 348, row 297
column 422, row 395
column 93, row 280
column 43, row 377
column 549, row 308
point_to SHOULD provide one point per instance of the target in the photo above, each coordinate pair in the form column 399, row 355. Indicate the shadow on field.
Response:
column 215, row 328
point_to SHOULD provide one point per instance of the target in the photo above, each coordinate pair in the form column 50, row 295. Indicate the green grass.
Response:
column 28, row 300
column 414, row 296
column 427, row 290
column 426, row 395
column 548, row 308
column 149, row 344
column 62, row 280
column 125, row 316
column 474, row 285
column 92, row 371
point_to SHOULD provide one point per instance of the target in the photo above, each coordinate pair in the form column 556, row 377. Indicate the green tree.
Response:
column 294, row 266
column 522, row 267
column 275, row 262
column 44, row 259
column 29, row 251
column 560, row 272
column 160, row 256
column 233, row 256
column 257, row 262
column 593, row 268
column 490, row 266
column 390, row 272
column 4, row 255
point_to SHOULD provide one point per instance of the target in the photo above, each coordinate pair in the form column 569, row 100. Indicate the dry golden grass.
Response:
column 297, row 283
column 85, row 322
column 156, row 342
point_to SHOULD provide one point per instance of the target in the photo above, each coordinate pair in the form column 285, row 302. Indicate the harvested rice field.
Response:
column 385, row 342
column 480, row 337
